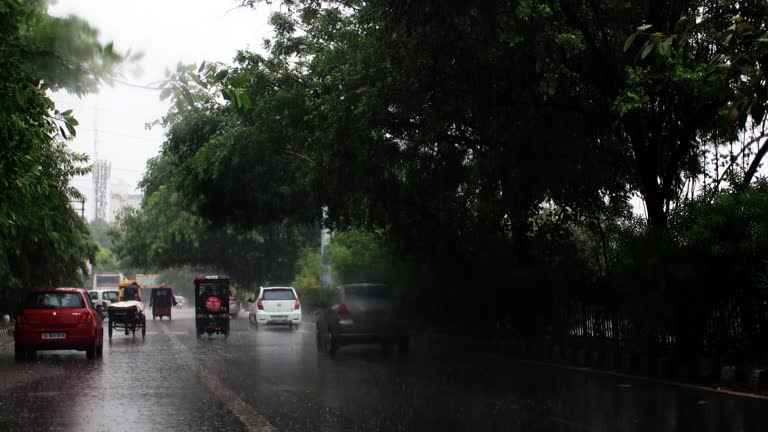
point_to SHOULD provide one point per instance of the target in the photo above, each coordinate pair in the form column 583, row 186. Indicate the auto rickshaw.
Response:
column 129, row 290
column 212, row 305
column 162, row 301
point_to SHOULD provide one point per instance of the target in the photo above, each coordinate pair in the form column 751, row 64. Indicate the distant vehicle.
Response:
column 58, row 319
column 212, row 305
column 107, row 280
column 234, row 306
column 179, row 301
column 162, row 301
column 102, row 298
column 275, row 305
column 361, row 314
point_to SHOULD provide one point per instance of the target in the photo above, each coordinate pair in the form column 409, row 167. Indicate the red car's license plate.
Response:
column 54, row 335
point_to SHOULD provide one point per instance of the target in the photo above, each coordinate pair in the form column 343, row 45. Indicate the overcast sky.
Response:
column 166, row 31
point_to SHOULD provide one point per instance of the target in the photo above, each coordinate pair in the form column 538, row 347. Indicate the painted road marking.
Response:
column 250, row 418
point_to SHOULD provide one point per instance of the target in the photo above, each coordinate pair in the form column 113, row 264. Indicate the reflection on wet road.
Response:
column 273, row 379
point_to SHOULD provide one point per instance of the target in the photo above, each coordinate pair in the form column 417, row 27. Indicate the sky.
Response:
column 166, row 32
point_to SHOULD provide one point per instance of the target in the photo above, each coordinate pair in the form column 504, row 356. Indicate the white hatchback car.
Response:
column 276, row 305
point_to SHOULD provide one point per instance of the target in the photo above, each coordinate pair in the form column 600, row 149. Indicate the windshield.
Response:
column 54, row 300
column 278, row 294
column 110, row 295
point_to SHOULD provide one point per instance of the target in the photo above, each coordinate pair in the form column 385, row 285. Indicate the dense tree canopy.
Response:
column 491, row 144
column 43, row 242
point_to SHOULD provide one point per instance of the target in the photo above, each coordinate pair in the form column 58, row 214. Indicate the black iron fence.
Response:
column 735, row 329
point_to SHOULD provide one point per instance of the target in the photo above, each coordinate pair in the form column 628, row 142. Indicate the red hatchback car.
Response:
column 58, row 319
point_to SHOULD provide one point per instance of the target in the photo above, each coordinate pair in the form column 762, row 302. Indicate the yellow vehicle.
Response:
column 129, row 290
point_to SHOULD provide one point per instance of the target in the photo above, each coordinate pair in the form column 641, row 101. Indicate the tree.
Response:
column 168, row 233
column 43, row 242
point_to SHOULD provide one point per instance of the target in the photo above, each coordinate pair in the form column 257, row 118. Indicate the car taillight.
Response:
column 342, row 309
column 259, row 304
column 296, row 304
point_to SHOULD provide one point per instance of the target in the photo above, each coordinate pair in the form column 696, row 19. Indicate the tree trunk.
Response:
column 753, row 167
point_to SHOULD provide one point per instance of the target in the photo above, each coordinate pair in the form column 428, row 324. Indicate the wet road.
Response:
column 273, row 379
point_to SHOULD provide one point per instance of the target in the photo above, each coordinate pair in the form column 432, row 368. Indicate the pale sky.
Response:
column 166, row 31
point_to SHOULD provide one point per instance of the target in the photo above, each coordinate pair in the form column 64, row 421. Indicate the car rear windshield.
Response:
column 110, row 295
column 368, row 291
column 278, row 294
column 54, row 300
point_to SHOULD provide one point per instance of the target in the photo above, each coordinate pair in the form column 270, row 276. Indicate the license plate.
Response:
column 279, row 317
column 54, row 335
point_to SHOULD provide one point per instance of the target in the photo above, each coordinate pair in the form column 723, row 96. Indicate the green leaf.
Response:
column 221, row 75
column 21, row 96
column 202, row 66
column 728, row 38
column 646, row 50
column 629, row 41
column 66, row 113
column 188, row 96
column 165, row 94
column 645, row 27
column 239, row 81
column 71, row 129
column 246, row 101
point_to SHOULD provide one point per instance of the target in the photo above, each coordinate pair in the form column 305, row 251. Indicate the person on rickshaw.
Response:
column 130, row 292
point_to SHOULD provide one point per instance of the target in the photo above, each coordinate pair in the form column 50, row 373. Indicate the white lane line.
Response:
column 250, row 418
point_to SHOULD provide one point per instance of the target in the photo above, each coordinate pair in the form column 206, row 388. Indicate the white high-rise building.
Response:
column 122, row 196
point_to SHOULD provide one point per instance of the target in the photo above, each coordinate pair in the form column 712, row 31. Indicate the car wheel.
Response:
column 110, row 330
column 90, row 352
column 331, row 346
column 100, row 349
